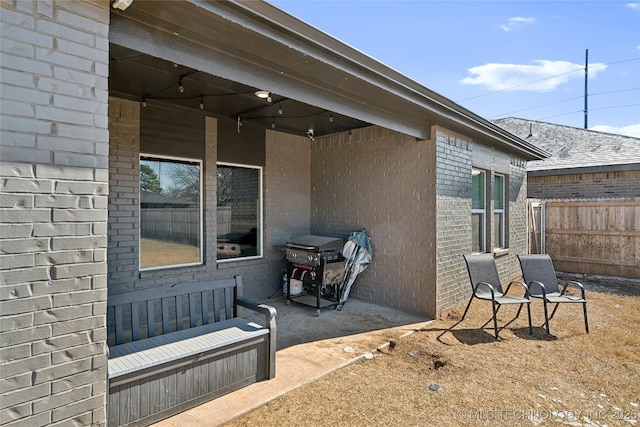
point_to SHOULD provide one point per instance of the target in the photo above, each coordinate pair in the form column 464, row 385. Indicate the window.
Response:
column 478, row 210
column 239, row 215
column 498, row 229
column 170, row 212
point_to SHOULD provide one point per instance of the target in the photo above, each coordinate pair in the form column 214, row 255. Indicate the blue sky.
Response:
column 502, row 58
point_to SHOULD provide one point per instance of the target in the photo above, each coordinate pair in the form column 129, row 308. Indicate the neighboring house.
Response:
column 584, row 164
column 340, row 143
column 589, row 193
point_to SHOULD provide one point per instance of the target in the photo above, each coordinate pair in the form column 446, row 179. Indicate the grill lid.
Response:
column 315, row 243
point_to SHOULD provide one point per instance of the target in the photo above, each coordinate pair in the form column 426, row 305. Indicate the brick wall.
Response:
column 619, row 184
column 285, row 198
column 382, row 181
column 287, row 201
column 453, row 200
column 53, row 197
column 456, row 155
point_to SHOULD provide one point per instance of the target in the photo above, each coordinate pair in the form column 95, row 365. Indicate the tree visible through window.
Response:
column 170, row 212
column 239, row 216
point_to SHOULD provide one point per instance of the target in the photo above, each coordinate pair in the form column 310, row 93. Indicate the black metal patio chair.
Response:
column 540, row 275
column 485, row 285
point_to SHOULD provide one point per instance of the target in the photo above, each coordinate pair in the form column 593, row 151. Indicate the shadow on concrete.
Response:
column 298, row 324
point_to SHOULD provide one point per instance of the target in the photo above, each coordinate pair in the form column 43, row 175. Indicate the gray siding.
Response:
column 53, row 286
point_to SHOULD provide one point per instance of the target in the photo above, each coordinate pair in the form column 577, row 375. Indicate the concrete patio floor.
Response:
column 309, row 347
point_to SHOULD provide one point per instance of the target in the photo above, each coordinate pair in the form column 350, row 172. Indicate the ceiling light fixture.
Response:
column 264, row 94
column 180, row 86
column 202, row 102
column 122, row 4
column 280, row 109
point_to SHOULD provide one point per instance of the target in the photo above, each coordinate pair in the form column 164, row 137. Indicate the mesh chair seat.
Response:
column 540, row 275
column 557, row 298
column 485, row 285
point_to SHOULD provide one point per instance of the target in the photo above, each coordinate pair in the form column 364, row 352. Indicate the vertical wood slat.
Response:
column 119, row 321
column 216, row 305
column 179, row 325
column 166, row 320
column 135, row 322
column 151, row 322
column 205, row 307
column 229, row 295
column 192, row 310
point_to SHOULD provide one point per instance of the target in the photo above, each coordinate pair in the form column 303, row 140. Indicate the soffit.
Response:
column 258, row 45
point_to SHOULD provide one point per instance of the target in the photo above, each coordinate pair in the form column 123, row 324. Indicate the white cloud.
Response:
column 631, row 130
column 517, row 22
column 542, row 76
column 633, row 6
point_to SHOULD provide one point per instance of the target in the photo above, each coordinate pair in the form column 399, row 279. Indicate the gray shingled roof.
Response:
column 573, row 147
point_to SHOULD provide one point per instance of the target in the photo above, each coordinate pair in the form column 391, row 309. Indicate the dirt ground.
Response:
column 440, row 376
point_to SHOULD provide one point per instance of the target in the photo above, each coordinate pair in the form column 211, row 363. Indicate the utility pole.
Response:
column 586, row 93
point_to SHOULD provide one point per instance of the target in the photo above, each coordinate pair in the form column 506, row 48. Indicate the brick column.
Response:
column 53, row 195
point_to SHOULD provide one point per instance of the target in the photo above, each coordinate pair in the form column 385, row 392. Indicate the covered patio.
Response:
column 309, row 347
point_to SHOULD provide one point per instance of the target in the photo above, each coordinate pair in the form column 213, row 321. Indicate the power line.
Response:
column 548, row 78
column 592, row 109
column 563, row 100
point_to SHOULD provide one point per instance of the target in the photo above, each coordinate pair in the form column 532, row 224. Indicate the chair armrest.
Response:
column 493, row 293
column 270, row 317
column 526, row 288
column 269, row 312
column 576, row 284
column 544, row 290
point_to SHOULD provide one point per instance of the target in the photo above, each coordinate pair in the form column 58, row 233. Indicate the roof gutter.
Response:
column 365, row 67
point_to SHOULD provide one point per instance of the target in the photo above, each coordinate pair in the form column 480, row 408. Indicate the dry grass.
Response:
column 568, row 378
column 154, row 253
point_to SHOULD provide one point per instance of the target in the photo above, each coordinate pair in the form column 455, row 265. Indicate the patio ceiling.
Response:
column 144, row 78
column 230, row 49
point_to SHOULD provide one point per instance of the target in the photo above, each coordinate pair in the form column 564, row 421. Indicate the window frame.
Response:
column 501, row 232
column 199, row 162
column 482, row 212
column 260, row 219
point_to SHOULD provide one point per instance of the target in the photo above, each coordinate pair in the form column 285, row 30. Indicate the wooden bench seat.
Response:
column 154, row 377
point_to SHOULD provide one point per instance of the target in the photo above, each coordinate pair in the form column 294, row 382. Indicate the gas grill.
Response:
column 315, row 270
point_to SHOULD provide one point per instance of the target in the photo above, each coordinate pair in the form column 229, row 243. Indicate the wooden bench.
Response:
column 182, row 345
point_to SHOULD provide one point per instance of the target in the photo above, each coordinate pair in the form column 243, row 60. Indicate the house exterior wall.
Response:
column 54, row 169
column 382, row 181
column 618, row 184
column 456, row 155
column 285, row 198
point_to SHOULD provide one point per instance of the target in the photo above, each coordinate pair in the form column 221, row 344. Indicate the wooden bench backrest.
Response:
column 163, row 309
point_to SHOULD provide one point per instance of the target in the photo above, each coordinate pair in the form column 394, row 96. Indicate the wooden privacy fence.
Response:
column 172, row 224
column 588, row 236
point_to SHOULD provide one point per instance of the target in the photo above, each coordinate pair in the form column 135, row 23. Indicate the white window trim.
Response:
column 483, row 213
column 502, row 236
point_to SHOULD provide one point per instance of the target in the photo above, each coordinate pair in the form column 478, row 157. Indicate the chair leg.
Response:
column 586, row 323
column 554, row 311
column 546, row 316
column 495, row 318
column 466, row 309
column 529, row 313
